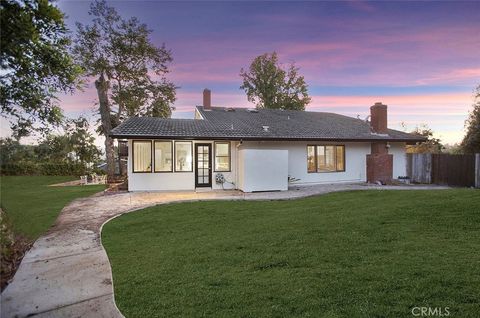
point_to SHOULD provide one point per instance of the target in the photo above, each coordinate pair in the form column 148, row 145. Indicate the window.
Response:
column 340, row 158
column 183, row 156
column 222, row 156
column 163, row 156
column 311, row 162
column 326, row 158
column 142, row 156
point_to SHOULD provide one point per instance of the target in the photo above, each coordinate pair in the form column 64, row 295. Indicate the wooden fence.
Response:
column 454, row 170
column 419, row 167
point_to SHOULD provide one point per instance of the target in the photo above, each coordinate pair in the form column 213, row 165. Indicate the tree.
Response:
column 119, row 54
column 268, row 85
column 82, row 141
column 431, row 145
column 453, row 149
column 35, row 64
column 54, row 148
column 11, row 151
column 75, row 144
column 471, row 141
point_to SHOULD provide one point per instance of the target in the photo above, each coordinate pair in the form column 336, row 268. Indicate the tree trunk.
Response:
column 105, row 115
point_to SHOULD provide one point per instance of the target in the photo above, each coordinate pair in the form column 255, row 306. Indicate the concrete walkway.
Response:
column 67, row 272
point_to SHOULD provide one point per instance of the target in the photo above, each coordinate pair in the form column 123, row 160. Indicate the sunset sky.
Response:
column 420, row 58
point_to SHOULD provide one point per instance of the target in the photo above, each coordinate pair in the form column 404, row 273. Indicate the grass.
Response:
column 351, row 254
column 32, row 206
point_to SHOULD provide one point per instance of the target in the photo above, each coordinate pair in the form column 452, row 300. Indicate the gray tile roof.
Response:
column 241, row 123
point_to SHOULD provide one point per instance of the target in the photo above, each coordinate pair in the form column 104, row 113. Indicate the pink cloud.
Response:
column 391, row 57
column 186, row 101
column 444, row 104
column 451, row 76
column 361, row 5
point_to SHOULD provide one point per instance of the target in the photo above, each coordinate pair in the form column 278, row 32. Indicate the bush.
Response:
column 19, row 169
column 47, row 168
column 62, row 169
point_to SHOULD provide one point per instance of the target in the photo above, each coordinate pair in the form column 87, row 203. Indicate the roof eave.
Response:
column 266, row 138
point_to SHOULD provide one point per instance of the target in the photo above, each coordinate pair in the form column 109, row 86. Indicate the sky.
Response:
column 420, row 58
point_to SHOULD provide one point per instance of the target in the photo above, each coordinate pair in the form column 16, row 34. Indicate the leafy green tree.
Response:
column 269, row 85
column 130, row 70
column 82, row 141
column 453, row 149
column 431, row 145
column 54, row 148
column 11, row 151
column 76, row 144
column 471, row 141
column 35, row 64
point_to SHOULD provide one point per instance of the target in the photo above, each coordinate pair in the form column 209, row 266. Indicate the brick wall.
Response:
column 379, row 168
column 378, row 118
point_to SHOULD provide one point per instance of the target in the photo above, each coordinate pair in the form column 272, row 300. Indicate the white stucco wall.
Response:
column 397, row 149
column 263, row 170
column 166, row 181
column 355, row 167
column 355, row 161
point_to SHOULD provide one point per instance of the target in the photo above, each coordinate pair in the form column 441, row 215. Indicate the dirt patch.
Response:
column 117, row 187
column 13, row 248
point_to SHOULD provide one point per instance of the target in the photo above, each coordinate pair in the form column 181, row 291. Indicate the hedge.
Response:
column 48, row 169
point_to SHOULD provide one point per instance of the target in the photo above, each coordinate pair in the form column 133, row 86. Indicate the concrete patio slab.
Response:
column 67, row 272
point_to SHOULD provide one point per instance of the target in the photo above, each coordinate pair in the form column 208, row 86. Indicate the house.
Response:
column 261, row 149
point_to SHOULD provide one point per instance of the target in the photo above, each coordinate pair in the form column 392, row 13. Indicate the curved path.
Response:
column 67, row 272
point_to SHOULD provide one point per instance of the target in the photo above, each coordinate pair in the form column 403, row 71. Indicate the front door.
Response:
column 203, row 167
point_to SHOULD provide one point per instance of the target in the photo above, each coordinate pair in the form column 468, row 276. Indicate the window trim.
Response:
column 173, row 157
column 133, row 155
column 229, row 156
column 344, row 160
column 315, row 158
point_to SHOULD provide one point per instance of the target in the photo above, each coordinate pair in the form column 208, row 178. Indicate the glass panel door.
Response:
column 203, row 171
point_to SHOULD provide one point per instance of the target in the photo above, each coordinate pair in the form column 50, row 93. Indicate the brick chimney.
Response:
column 207, row 99
column 378, row 118
column 379, row 162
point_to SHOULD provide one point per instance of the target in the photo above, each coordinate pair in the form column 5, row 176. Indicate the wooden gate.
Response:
column 454, row 170
column 419, row 167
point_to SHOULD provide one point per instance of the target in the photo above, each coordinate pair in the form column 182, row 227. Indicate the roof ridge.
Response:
column 200, row 107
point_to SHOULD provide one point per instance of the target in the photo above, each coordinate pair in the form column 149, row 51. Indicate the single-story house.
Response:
column 261, row 149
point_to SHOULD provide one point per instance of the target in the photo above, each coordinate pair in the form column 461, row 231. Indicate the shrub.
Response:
column 62, row 169
column 21, row 169
column 47, row 168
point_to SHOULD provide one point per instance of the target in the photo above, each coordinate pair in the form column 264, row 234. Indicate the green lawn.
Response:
column 32, row 206
column 351, row 254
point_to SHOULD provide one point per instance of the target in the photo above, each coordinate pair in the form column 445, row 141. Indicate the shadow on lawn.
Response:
column 13, row 248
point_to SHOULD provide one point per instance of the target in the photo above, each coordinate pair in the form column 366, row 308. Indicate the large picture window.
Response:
column 142, row 156
column 183, row 156
column 325, row 158
column 222, row 156
column 163, row 155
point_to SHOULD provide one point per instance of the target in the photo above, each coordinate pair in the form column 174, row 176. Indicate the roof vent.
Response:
column 265, row 128
column 252, row 110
